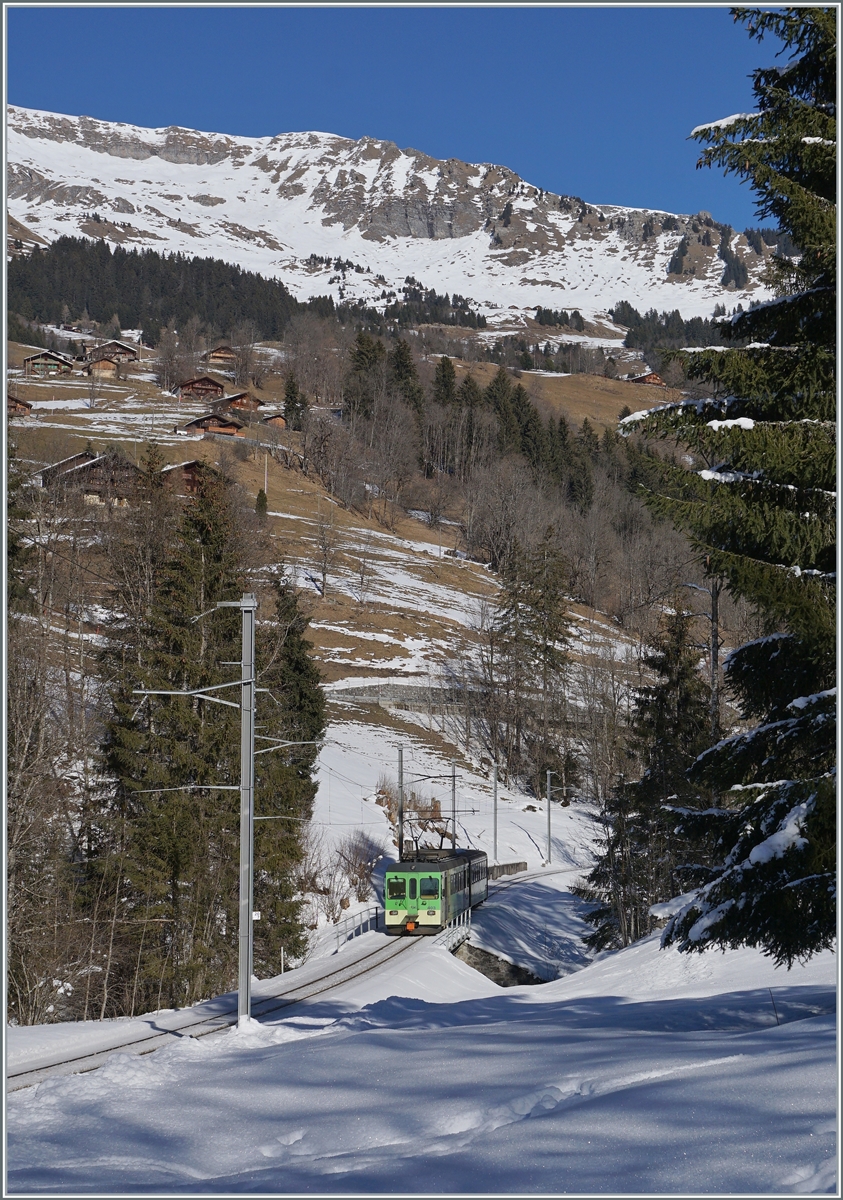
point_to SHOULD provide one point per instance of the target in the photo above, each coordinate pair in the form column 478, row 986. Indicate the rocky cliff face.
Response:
column 290, row 205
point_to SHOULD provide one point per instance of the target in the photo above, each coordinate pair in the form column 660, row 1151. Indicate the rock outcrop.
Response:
column 274, row 203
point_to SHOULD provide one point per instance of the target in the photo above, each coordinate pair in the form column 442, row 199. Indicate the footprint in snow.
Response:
column 282, row 1143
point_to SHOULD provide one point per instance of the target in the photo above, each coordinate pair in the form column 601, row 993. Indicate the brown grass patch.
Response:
column 577, row 396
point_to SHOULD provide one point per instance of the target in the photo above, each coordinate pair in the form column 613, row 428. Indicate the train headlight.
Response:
column 431, row 912
column 393, row 912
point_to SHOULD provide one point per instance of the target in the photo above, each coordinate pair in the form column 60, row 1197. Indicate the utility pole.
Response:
column 495, row 812
column 400, row 803
column 548, row 816
column 247, row 605
column 453, row 804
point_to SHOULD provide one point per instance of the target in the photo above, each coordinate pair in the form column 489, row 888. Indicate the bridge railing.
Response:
column 455, row 932
column 358, row 923
column 498, row 869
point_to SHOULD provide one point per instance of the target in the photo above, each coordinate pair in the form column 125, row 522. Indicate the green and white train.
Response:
column 423, row 893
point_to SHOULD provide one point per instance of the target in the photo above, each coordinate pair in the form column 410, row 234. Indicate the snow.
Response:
column 642, row 1071
column 787, row 837
column 250, row 227
column 737, row 423
column 723, row 123
column 804, row 701
column 646, row 1072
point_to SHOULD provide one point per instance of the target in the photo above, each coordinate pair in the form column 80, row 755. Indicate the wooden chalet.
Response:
column 16, row 407
column 119, row 351
column 201, row 388
column 216, row 423
column 241, row 402
column 47, row 363
column 221, row 358
column 49, row 475
column 101, row 478
column 277, row 420
column 103, row 368
column 651, row 377
column 183, row 478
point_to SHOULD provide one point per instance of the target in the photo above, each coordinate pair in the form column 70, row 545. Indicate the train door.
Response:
column 412, row 902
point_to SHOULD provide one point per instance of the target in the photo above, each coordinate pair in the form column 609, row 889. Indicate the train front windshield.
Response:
column 429, row 889
column 396, row 889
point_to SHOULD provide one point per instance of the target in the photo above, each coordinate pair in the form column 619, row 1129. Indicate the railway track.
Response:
column 504, row 883
column 215, row 1022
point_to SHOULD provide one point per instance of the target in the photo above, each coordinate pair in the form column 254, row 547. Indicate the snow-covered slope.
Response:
column 645, row 1073
column 271, row 203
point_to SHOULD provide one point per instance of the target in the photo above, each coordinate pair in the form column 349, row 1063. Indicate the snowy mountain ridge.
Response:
column 278, row 205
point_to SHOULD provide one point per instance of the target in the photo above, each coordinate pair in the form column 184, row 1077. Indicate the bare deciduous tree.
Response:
column 359, row 854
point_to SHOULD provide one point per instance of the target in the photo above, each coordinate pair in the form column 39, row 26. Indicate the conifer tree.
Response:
column 531, row 432
column 499, row 397
column 588, row 440
column 295, row 403
column 469, row 394
column 284, row 784
column 469, row 399
column 639, row 864
column 445, row 382
column 176, row 835
column 533, row 632
column 17, row 552
column 759, row 502
column 403, row 375
column 366, row 377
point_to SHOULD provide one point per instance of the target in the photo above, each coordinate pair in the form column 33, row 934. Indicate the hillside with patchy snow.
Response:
column 271, row 203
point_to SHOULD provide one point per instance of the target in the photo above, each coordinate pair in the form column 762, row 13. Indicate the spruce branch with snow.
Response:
column 757, row 499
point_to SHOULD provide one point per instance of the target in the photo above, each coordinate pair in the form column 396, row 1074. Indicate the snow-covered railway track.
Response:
column 504, row 883
column 31, row 1073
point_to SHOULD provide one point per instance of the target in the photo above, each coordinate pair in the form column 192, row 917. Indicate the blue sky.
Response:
column 595, row 102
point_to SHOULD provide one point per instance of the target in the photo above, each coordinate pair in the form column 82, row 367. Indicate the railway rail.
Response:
column 214, row 1022
column 505, row 882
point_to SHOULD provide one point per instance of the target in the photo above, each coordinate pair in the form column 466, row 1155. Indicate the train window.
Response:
column 429, row 889
column 396, row 889
column 412, row 889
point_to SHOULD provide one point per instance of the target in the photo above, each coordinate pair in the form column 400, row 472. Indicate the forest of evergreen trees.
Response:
column 423, row 306
column 144, row 289
column 664, row 331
